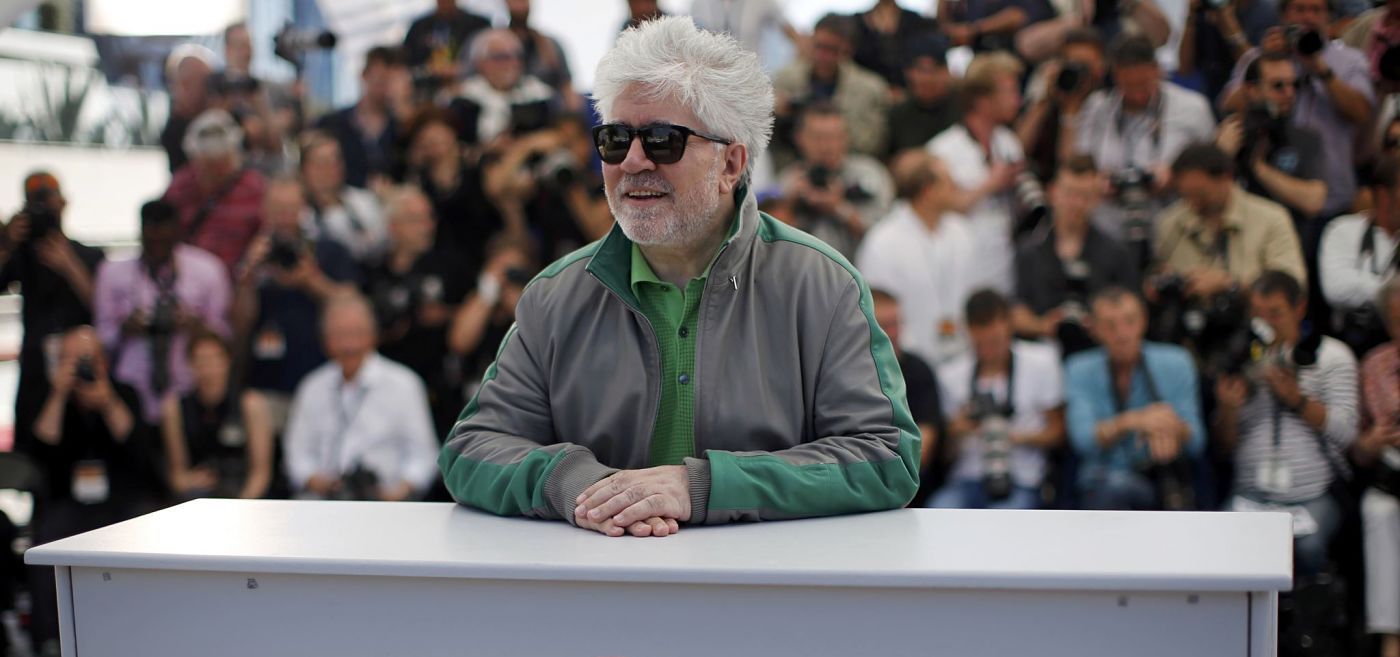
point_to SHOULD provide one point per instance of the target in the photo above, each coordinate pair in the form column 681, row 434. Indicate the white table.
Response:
column 344, row 579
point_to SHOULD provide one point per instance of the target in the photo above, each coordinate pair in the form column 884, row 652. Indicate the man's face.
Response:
column 822, row 140
column 378, row 81
column 238, row 49
column 1138, row 84
column 887, row 316
column 1275, row 310
column 209, row 362
column 215, row 167
column 1307, row 13
column 1090, row 57
column 829, row 49
column 158, row 243
column 502, row 63
column 189, row 91
column 1207, row 195
column 519, row 10
column 1006, row 102
column 1278, row 85
column 1120, row 324
column 991, row 341
column 1074, row 196
column 323, row 169
column 668, row 204
column 435, row 142
column 928, row 81
column 412, row 226
column 349, row 334
column 283, row 206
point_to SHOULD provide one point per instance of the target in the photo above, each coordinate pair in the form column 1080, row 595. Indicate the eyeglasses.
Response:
column 663, row 143
column 1283, row 85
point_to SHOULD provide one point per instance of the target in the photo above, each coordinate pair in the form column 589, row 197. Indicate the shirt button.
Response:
column 684, row 379
column 685, row 332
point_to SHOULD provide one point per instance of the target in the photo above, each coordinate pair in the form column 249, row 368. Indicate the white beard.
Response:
column 677, row 220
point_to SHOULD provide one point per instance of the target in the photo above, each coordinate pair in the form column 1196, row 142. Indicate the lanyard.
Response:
column 1009, row 407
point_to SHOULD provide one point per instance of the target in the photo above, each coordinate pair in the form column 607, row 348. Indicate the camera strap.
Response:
column 206, row 208
column 1009, row 407
column 1368, row 250
column 1120, row 402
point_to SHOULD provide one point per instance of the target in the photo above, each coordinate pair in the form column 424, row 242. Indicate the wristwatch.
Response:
column 1326, row 75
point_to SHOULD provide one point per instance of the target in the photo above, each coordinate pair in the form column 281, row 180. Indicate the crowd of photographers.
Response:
column 1111, row 286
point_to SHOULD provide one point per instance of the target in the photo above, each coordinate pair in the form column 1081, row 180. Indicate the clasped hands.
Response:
column 650, row 502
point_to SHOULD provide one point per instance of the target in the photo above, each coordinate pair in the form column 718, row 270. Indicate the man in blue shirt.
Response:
column 1133, row 412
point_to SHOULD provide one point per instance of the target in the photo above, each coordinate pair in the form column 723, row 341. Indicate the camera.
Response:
column 360, row 484
column 1217, row 329
column 1031, row 206
column 1389, row 64
column 994, row 426
column 1072, row 76
column 226, row 85
column 529, row 117
column 557, row 170
column 85, row 370
column 1363, row 329
column 517, row 276
column 1304, row 41
column 292, row 43
column 819, row 176
column 42, row 219
column 284, row 254
column 163, row 317
column 1133, row 193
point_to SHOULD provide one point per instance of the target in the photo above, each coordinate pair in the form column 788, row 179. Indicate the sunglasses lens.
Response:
column 613, row 142
column 663, row 144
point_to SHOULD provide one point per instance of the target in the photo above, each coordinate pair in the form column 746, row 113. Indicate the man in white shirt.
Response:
column 501, row 98
column 1007, row 403
column 922, row 254
column 360, row 427
column 1357, row 256
column 988, row 157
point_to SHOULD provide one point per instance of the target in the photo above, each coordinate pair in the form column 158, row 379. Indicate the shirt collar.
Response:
column 642, row 273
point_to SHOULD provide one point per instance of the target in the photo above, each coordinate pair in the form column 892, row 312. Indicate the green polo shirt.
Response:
column 674, row 314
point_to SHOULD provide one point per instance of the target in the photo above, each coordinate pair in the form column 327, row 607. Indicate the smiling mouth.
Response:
column 645, row 196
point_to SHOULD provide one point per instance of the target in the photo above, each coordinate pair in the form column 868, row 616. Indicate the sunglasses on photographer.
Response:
column 663, row 143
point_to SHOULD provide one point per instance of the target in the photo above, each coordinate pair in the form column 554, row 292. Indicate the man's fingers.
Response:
column 602, row 491
column 641, row 529
column 607, row 504
column 673, row 525
column 653, row 505
column 659, row 527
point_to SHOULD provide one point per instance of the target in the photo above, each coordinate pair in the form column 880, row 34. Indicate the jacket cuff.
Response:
column 570, row 477
column 697, row 472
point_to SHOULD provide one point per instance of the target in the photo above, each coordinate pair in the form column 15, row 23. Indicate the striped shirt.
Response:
column 1331, row 382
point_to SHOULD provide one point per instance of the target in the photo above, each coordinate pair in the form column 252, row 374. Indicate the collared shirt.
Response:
column 1315, row 109
column 230, row 223
column 201, row 287
column 930, row 272
column 1380, row 387
column 1146, row 140
column 1258, row 235
column 1038, row 388
column 991, row 218
column 379, row 421
column 1331, row 382
column 1351, row 274
column 494, row 107
column 674, row 315
column 1093, row 398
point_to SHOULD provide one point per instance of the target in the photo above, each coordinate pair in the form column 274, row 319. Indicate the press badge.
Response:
column 90, row 482
column 269, row 345
column 231, row 435
column 947, row 330
column 1275, row 476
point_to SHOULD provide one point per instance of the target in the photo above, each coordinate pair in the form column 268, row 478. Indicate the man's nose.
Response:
column 637, row 160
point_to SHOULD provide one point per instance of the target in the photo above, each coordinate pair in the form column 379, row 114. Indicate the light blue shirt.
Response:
column 1090, row 399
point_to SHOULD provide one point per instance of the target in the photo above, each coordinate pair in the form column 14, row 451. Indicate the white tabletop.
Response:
column 1020, row 550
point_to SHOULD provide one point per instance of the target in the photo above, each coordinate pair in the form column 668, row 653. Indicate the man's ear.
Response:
column 736, row 157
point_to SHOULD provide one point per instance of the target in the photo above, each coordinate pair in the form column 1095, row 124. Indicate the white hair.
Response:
column 719, row 80
column 401, row 197
column 481, row 42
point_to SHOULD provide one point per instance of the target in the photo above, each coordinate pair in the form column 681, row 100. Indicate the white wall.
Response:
column 105, row 188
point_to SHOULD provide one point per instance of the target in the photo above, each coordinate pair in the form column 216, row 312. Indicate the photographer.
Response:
column 500, row 98
column 1056, row 95
column 1134, row 131
column 435, row 42
column 1219, row 237
column 837, row 195
column 1133, row 412
column 187, row 75
column 1289, row 419
column 359, row 427
column 349, row 215
column 217, row 194
column 481, row 322
column 1274, row 157
column 55, row 276
column 931, row 103
column 415, row 290
column 1058, row 269
column 542, row 181
column 95, row 456
column 1358, row 255
column 922, row 254
column 1335, row 98
column 990, row 25
column 1377, row 452
column 369, row 131
column 279, row 291
column 985, row 159
column 1216, row 34
column 217, row 442
column 452, row 178
column 146, row 307
column 1011, row 413
column 249, row 101
column 826, row 72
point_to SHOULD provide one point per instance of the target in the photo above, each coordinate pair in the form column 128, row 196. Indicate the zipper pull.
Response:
column 735, row 281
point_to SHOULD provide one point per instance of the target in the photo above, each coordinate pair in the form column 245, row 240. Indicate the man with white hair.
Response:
column 217, row 196
column 703, row 363
column 500, row 98
column 359, row 426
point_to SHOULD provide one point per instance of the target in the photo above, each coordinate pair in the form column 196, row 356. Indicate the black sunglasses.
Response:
column 663, row 143
column 1280, row 85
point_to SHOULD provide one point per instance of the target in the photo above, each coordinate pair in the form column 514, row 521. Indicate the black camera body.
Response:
column 820, row 177
column 43, row 221
column 1304, row 41
column 993, row 421
column 85, row 370
column 163, row 316
column 1071, row 77
column 284, row 253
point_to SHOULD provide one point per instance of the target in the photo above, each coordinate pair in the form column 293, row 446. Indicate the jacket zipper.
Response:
column 656, row 353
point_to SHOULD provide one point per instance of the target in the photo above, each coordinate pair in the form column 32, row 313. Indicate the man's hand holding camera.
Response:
column 829, row 200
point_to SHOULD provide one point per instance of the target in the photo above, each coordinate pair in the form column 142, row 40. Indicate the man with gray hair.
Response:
column 500, row 98
column 746, row 376
column 217, row 196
